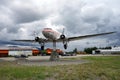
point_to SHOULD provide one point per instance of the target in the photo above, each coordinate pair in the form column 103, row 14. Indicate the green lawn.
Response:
column 99, row 68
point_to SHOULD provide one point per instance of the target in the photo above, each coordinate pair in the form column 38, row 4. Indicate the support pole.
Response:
column 54, row 56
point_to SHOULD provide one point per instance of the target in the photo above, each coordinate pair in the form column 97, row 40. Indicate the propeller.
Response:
column 62, row 36
column 39, row 40
column 63, row 31
column 35, row 34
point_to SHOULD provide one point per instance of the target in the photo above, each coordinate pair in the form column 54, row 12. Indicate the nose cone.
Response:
column 50, row 34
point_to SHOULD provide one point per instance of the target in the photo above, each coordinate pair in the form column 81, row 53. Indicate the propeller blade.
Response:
column 63, row 31
column 35, row 34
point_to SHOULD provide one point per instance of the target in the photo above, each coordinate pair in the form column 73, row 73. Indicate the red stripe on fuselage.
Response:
column 51, row 31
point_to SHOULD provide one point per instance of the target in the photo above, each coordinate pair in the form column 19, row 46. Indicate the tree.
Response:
column 75, row 50
column 89, row 50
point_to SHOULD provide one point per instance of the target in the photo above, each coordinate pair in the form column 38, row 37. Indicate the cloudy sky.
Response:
column 20, row 18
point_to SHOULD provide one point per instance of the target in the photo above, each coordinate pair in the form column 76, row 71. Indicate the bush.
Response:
column 89, row 50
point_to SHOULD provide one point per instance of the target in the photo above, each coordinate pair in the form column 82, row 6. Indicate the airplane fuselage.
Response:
column 50, row 34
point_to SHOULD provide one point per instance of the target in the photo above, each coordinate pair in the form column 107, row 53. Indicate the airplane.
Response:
column 55, row 36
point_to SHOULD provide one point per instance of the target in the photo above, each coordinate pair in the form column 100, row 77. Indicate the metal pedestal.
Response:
column 54, row 56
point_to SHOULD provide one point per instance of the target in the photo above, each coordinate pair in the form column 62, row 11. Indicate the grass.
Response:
column 100, row 68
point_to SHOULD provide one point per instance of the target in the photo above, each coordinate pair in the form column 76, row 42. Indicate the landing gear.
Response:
column 42, row 47
column 65, row 46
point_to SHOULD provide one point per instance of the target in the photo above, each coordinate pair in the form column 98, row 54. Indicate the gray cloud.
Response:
column 4, row 2
column 25, row 15
column 20, row 18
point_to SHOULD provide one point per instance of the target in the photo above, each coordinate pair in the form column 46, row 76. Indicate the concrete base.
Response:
column 54, row 56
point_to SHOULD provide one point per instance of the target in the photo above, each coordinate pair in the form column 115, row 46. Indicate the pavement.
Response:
column 44, row 60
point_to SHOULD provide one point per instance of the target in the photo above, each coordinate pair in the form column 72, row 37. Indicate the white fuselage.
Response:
column 50, row 34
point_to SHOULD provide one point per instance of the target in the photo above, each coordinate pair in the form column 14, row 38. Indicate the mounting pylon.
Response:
column 54, row 55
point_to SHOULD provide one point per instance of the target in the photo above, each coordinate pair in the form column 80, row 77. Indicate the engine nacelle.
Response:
column 62, row 36
column 37, row 39
column 40, row 41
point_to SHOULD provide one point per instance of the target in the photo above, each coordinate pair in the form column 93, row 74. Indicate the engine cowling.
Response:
column 37, row 39
column 40, row 41
column 62, row 36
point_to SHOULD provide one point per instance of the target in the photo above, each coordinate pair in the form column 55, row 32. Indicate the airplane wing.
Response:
column 25, row 40
column 69, row 38
column 85, row 36
column 88, row 36
column 28, row 40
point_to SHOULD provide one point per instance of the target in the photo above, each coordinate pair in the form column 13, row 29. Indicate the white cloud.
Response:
column 20, row 18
